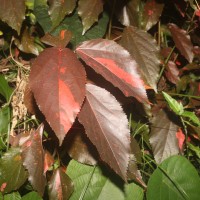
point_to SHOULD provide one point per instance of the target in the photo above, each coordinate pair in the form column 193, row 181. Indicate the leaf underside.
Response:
column 57, row 80
column 107, row 127
column 115, row 64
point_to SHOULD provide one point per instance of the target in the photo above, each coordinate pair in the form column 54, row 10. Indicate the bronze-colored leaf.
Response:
column 79, row 147
column 60, row 186
column 57, row 41
column 143, row 48
column 182, row 41
column 13, row 13
column 163, row 136
column 89, row 17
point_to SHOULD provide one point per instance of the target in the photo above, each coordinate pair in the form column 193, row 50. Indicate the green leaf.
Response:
column 191, row 116
column 173, row 104
column 41, row 12
column 91, row 184
column 133, row 191
column 12, row 172
column 195, row 149
column 58, row 9
column 73, row 24
column 4, row 119
column 89, row 17
column 13, row 13
column 175, row 178
column 12, row 196
column 5, row 89
column 1, row 196
column 31, row 196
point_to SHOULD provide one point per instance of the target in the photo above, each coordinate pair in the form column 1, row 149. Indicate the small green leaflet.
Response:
column 192, row 117
column 173, row 104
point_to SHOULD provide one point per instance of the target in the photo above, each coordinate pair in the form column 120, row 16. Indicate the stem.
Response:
column 87, row 185
column 184, row 95
column 186, row 136
column 111, row 18
column 165, row 63
column 8, row 133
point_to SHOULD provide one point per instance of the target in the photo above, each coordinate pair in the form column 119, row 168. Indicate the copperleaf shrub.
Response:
column 98, row 99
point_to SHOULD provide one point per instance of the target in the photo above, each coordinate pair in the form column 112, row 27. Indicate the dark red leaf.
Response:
column 107, row 127
column 57, row 41
column 172, row 72
column 60, row 186
column 182, row 41
column 115, row 64
column 33, row 159
column 79, row 147
column 57, row 80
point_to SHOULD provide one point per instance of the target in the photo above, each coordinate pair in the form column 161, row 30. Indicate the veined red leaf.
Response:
column 57, row 80
column 89, row 17
column 182, row 41
column 115, row 64
column 33, row 159
column 13, row 13
column 107, row 127
column 163, row 137
column 143, row 48
column 60, row 186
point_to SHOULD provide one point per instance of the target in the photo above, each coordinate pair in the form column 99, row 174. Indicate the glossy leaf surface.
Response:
column 12, row 173
column 89, row 17
column 91, row 184
column 13, row 13
column 163, row 136
column 57, row 80
column 60, row 186
column 115, row 64
column 144, row 50
column 171, row 180
column 107, row 127
column 33, row 159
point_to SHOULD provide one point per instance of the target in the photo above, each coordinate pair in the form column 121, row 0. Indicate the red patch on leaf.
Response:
column 197, row 12
column 115, row 69
column 3, row 186
column 181, row 138
column 150, row 12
